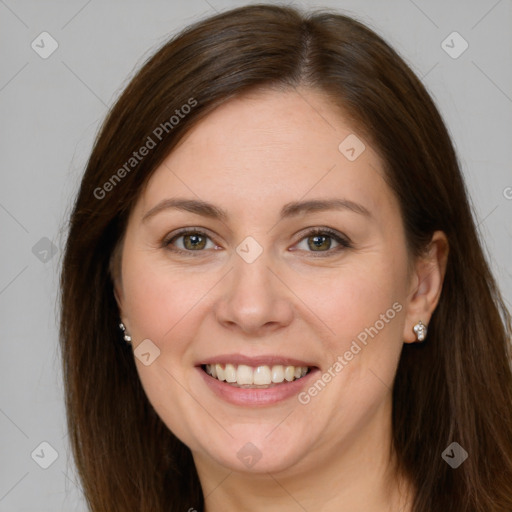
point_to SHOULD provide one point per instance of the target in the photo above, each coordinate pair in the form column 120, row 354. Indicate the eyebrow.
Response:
column 289, row 210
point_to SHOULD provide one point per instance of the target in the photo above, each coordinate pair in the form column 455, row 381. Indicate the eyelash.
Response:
column 344, row 242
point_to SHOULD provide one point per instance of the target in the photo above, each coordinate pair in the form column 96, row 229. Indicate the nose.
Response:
column 254, row 300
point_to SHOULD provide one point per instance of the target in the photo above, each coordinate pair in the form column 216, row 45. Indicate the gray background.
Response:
column 50, row 110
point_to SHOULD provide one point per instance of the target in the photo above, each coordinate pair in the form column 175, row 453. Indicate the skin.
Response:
column 250, row 157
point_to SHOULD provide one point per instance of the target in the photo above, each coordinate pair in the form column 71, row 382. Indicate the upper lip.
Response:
column 263, row 360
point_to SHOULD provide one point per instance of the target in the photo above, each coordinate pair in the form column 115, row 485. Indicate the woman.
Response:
column 273, row 293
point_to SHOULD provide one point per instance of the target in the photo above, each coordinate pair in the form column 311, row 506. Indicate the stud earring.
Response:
column 420, row 329
column 127, row 337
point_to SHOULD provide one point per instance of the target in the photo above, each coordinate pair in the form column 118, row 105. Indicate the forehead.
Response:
column 267, row 148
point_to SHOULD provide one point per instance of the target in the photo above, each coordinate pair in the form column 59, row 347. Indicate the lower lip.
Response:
column 257, row 396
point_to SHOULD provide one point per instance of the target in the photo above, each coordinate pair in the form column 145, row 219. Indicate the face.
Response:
column 260, row 250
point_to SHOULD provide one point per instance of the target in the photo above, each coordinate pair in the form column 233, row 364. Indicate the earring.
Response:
column 420, row 329
column 127, row 337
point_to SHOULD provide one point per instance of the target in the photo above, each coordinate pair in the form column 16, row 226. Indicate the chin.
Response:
column 252, row 450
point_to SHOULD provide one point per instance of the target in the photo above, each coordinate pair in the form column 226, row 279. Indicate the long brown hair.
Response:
column 457, row 386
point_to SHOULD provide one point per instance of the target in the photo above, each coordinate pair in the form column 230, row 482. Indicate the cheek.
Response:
column 355, row 299
column 158, row 298
column 362, row 306
column 363, row 309
column 162, row 305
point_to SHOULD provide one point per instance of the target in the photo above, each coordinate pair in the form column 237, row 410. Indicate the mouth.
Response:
column 262, row 380
column 255, row 377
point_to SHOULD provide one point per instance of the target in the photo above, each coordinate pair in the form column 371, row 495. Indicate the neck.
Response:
column 356, row 475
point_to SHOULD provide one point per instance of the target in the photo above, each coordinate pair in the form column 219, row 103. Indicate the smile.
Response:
column 263, row 376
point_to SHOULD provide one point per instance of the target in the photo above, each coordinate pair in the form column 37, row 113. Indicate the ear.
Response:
column 118, row 294
column 115, row 274
column 426, row 284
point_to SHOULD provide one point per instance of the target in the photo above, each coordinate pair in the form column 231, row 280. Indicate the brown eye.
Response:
column 189, row 241
column 319, row 242
column 194, row 241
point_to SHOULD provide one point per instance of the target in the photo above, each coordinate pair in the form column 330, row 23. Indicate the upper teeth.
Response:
column 261, row 375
